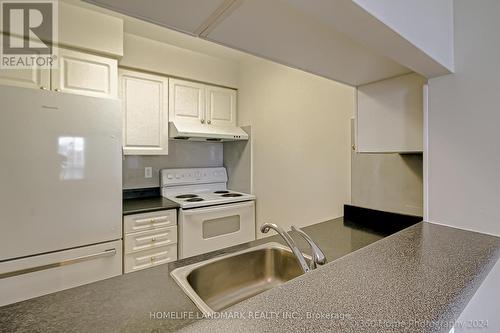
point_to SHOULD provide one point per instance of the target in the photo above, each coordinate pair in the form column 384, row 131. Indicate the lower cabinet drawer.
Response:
column 145, row 259
column 43, row 274
column 149, row 221
column 147, row 240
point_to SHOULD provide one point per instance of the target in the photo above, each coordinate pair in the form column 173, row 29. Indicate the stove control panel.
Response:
column 192, row 176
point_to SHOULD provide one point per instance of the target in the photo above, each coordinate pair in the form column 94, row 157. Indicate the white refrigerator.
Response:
column 60, row 191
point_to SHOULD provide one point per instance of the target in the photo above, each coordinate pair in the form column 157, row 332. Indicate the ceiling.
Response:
column 284, row 31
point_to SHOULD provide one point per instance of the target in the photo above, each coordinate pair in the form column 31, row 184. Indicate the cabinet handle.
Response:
column 43, row 88
column 209, row 122
column 202, row 121
column 105, row 253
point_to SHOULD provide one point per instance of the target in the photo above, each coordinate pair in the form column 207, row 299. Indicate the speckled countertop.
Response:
column 425, row 272
column 125, row 303
column 417, row 280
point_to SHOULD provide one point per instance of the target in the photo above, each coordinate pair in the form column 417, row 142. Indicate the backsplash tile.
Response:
column 181, row 154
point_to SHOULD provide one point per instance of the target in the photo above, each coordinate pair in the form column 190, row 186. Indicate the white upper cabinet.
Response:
column 187, row 101
column 145, row 113
column 201, row 104
column 76, row 73
column 34, row 77
column 85, row 74
column 221, row 106
column 28, row 78
column 390, row 115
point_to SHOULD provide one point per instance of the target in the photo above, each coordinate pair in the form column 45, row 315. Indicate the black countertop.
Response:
column 127, row 302
column 136, row 201
column 146, row 205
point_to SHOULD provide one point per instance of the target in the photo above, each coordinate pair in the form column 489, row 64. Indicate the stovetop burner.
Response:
column 221, row 192
column 186, row 196
column 231, row 195
column 195, row 199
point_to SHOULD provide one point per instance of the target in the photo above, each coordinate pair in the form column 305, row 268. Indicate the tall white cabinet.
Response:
column 201, row 104
column 145, row 113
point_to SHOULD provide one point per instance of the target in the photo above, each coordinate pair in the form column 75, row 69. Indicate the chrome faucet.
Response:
column 291, row 244
column 318, row 255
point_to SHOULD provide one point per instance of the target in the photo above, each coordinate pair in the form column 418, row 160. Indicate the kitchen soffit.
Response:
column 276, row 30
column 183, row 15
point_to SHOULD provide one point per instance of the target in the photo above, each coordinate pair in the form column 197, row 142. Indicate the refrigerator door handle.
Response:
column 106, row 253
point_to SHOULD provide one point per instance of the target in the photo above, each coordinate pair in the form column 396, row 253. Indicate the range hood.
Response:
column 179, row 130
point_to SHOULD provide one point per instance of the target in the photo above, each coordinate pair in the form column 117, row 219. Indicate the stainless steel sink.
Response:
column 218, row 283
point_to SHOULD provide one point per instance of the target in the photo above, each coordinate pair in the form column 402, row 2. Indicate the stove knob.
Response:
column 178, row 176
column 170, row 176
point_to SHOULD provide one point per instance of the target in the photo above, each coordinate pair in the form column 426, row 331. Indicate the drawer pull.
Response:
column 110, row 252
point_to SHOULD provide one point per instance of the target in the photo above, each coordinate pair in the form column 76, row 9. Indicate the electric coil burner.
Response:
column 186, row 196
column 195, row 199
column 232, row 195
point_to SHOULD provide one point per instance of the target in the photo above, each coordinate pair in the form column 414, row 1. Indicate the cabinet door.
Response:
column 28, row 78
column 186, row 101
column 390, row 115
column 221, row 106
column 145, row 116
column 85, row 74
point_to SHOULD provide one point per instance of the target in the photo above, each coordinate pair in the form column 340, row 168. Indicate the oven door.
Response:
column 202, row 230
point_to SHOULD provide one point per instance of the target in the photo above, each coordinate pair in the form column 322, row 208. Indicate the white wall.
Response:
column 428, row 24
column 483, row 307
column 389, row 182
column 300, row 142
column 238, row 162
column 464, row 118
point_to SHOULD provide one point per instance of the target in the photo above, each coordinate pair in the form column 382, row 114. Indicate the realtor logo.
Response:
column 29, row 31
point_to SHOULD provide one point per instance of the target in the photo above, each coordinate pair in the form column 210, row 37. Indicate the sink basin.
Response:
column 220, row 282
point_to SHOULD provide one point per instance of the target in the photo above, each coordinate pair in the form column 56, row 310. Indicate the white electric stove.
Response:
column 211, row 216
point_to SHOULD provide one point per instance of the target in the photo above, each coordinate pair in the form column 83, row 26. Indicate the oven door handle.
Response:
column 218, row 208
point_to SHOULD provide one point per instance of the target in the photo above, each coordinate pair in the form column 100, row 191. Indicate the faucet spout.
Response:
column 318, row 256
column 289, row 241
